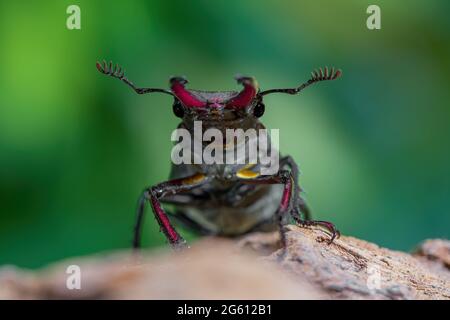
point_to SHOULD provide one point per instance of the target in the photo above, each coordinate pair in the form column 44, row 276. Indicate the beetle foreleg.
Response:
column 154, row 195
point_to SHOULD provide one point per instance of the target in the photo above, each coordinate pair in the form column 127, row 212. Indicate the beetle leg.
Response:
column 300, row 206
column 154, row 195
column 298, row 200
column 330, row 227
column 288, row 206
column 282, row 177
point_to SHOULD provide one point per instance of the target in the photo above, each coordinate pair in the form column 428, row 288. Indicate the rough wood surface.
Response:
column 253, row 267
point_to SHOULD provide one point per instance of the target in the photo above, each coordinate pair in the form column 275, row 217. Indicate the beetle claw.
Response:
column 328, row 226
column 181, row 245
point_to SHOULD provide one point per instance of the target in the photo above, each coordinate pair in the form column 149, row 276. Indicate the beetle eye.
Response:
column 259, row 110
column 178, row 109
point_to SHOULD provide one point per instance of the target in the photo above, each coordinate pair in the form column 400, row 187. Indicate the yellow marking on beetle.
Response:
column 196, row 178
column 245, row 173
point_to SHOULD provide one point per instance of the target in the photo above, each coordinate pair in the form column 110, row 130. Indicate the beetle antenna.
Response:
column 316, row 76
column 116, row 71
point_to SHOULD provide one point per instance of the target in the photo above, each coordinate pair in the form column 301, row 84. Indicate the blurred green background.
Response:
column 77, row 148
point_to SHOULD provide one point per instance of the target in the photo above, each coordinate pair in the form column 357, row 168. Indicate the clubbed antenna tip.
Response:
column 116, row 71
column 111, row 69
column 316, row 76
column 326, row 74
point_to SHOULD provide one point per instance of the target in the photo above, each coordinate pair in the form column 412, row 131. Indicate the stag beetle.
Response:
column 227, row 199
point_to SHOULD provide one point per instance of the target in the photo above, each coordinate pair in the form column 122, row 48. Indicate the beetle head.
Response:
column 218, row 105
column 215, row 105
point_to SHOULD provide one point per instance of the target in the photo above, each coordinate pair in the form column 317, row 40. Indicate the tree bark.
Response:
column 253, row 267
